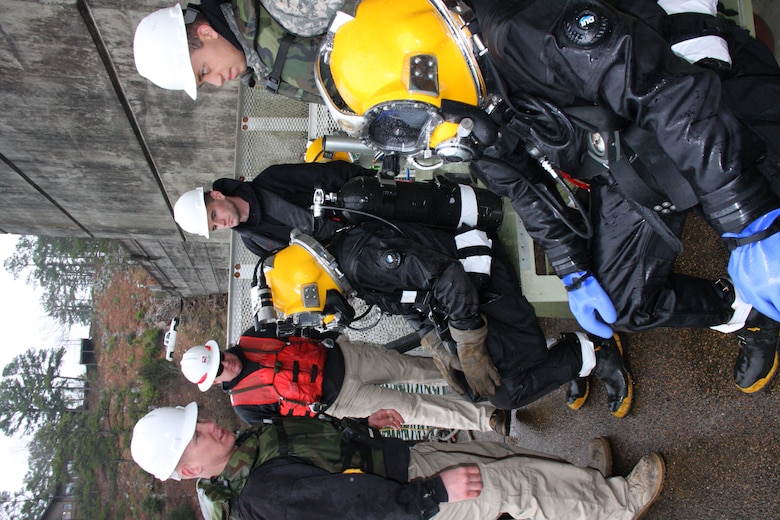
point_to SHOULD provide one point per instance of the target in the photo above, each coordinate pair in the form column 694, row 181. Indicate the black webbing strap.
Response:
column 275, row 78
column 732, row 243
column 685, row 26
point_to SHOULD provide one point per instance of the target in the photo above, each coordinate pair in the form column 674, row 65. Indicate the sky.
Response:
column 25, row 325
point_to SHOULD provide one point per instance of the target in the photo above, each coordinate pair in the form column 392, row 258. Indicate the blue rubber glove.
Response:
column 754, row 267
column 590, row 304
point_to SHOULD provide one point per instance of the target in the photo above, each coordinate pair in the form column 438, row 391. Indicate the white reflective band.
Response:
column 696, row 49
column 408, row 296
column 477, row 264
column 738, row 319
column 468, row 206
column 588, row 354
column 689, row 6
column 471, row 238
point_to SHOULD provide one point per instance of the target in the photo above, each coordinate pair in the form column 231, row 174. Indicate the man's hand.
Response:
column 589, row 304
column 386, row 418
column 462, row 483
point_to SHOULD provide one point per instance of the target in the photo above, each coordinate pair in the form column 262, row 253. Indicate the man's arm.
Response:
column 287, row 487
column 296, row 182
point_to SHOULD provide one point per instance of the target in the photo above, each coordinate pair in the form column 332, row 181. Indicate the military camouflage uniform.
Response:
column 260, row 35
column 303, row 17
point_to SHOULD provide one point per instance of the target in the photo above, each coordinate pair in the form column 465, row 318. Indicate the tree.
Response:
column 32, row 391
column 65, row 268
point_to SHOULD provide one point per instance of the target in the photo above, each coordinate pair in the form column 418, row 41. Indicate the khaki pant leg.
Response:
column 523, row 484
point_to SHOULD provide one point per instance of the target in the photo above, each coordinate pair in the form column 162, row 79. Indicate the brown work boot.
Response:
column 645, row 483
column 501, row 421
column 600, row 456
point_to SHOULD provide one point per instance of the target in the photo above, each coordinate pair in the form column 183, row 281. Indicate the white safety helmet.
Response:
column 200, row 364
column 160, row 438
column 162, row 53
column 190, row 213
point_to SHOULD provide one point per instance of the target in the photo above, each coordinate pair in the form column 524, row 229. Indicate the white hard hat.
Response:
column 190, row 213
column 200, row 364
column 162, row 53
column 160, row 438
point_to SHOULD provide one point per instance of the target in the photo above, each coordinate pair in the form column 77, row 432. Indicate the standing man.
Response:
column 264, row 210
column 268, row 377
column 338, row 474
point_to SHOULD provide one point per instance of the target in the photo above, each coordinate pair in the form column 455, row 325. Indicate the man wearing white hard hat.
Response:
column 264, row 210
column 223, row 42
column 266, row 377
column 219, row 41
column 340, row 472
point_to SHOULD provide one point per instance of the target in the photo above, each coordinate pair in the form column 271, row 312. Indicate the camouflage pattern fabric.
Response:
column 260, row 36
column 303, row 17
column 313, row 440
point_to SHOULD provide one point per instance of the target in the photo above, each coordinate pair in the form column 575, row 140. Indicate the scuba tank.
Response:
column 439, row 203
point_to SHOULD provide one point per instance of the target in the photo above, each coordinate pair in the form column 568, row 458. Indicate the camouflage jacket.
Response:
column 317, row 442
column 260, row 35
column 304, row 17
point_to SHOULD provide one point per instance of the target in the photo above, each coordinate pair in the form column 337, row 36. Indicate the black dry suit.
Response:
column 682, row 148
column 417, row 267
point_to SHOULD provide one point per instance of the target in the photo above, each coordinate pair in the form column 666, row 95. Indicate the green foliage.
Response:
column 139, row 315
column 152, row 504
column 159, row 374
column 111, row 343
column 65, row 268
column 181, row 512
column 150, row 341
column 149, row 393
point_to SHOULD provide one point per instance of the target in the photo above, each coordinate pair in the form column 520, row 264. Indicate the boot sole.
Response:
column 660, row 462
column 625, row 406
column 761, row 383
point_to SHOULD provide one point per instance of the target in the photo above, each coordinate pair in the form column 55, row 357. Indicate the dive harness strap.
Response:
column 686, row 26
column 732, row 243
column 275, row 77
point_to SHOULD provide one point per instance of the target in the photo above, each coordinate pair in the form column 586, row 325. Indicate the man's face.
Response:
column 210, row 447
column 222, row 214
column 231, row 367
column 218, row 61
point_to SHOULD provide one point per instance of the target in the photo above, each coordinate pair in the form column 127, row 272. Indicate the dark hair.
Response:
column 193, row 40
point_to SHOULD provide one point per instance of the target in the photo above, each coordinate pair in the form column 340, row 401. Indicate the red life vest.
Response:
column 290, row 374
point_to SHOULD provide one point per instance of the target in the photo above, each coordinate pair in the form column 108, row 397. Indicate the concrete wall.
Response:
column 90, row 148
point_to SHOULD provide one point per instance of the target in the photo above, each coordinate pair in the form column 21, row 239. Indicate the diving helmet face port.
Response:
column 400, row 126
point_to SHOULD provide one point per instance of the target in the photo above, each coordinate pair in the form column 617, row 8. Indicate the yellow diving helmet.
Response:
column 307, row 285
column 392, row 64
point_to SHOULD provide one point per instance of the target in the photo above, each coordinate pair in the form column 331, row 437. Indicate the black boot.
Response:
column 757, row 360
column 577, row 393
column 613, row 372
